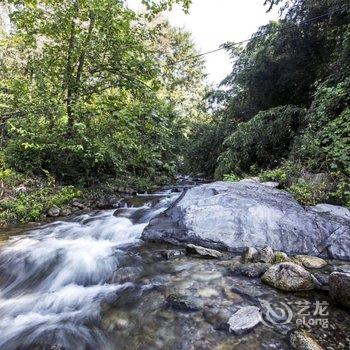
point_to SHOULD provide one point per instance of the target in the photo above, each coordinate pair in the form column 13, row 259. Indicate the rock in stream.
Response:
column 237, row 215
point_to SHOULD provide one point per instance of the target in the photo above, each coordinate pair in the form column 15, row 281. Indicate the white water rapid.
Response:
column 54, row 280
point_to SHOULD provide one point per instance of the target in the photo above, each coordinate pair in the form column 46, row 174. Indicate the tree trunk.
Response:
column 69, row 73
column 74, row 83
column 83, row 53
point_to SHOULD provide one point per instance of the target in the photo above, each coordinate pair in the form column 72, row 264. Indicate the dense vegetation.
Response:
column 91, row 90
column 94, row 94
column 284, row 111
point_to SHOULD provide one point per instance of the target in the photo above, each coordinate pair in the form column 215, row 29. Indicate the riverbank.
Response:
column 92, row 282
column 27, row 198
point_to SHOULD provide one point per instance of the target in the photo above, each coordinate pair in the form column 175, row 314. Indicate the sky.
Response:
column 214, row 22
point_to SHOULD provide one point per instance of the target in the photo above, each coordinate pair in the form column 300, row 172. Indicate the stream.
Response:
column 91, row 283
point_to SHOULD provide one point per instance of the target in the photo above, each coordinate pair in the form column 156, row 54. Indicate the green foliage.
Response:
column 231, row 177
column 2, row 160
column 341, row 195
column 64, row 195
column 287, row 173
column 137, row 139
column 325, row 144
column 252, row 142
column 284, row 109
column 283, row 60
column 84, row 93
column 27, row 199
column 277, row 174
column 308, row 193
column 204, row 146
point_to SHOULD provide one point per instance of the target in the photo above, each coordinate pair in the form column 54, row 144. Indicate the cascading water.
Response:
column 92, row 284
column 54, row 280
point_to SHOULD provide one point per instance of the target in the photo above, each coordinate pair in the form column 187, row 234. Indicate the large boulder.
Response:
column 236, row 215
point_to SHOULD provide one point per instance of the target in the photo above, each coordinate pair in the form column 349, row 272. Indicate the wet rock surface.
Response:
column 281, row 257
column 311, row 262
column 53, row 212
column 288, row 277
column 244, row 320
column 184, row 302
column 266, row 255
column 236, row 215
column 339, row 287
column 217, row 317
column 203, row 252
column 302, row 340
column 251, row 269
column 250, row 255
column 195, row 298
column 138, row 295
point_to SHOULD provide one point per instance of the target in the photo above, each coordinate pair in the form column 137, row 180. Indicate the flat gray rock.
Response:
column 205, row 252
column 244, row 320
column 236, row 215
column 271, row 184
column 341, row 212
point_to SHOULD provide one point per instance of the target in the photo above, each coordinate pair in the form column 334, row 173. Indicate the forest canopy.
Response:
column 283, row 112
column 92, row 92
column 82, row 92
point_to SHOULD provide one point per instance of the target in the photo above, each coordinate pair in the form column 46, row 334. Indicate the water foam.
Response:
column 55, row 278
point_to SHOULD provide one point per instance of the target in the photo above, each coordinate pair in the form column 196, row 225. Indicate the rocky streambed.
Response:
column 204, row 302
column 199, row 279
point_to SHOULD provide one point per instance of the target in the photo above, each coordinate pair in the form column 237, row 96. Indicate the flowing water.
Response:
column 91, row 283
column 55, row 279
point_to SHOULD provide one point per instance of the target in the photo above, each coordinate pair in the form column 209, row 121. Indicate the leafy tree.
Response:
column 325, row 143
column 181, row 70
column 262, row 142
column 283, row 59
column 205, row 145
column 285, row 105
column 87, row 93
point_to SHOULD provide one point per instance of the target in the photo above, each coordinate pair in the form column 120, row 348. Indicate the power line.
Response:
column 345, row 7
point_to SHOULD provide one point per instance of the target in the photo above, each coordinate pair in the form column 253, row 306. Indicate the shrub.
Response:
column 263, row 141
column 231, row 177
column 341, row 194
column 205, row 145
column 286, row 174
column 278, row 175
column 325, row 144
column 137, row 139
column 308, row 193
column 32, row 205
